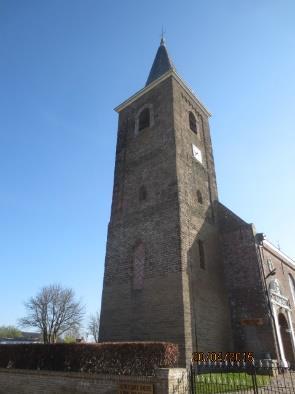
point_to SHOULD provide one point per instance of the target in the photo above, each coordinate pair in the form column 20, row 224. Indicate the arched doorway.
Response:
column 286, row 338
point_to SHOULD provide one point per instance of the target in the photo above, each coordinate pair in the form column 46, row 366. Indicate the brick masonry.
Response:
column 179, row 302
column 145, row 159
column 245, row 286
column 245, row 267
column 39, row 382
column 206, row 316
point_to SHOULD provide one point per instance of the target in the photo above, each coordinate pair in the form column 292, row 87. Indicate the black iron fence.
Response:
column 259, row 377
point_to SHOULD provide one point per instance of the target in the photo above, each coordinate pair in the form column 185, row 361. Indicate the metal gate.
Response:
column 260, row 377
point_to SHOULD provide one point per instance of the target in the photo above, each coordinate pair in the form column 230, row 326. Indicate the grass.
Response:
column 226, row 382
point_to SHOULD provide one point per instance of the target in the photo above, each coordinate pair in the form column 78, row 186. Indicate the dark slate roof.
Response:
column 161, row 65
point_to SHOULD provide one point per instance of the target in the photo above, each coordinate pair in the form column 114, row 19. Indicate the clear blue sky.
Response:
column 64, row 66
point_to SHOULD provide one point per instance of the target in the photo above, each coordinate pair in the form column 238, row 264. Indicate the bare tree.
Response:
column 93, row 326
column 54, row 310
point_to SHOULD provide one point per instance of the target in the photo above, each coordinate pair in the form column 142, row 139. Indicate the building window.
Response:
column 292, row 287
column 201, row 254
column 144, row 119
column 142, row 193
column 192, row 122
column 138, row 266
column 199, row 197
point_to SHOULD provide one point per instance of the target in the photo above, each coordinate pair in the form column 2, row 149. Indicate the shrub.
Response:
column 123, row 358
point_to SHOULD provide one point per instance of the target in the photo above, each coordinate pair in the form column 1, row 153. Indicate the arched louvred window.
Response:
column 138, row 266
column 144, row 119
column 192, row 122
column 199, row 197
column 292, row 287
column 142, row 193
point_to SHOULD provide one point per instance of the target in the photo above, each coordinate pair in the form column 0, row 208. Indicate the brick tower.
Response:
column 163, row 275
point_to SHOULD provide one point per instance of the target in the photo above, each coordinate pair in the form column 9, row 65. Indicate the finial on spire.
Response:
column 162, row 37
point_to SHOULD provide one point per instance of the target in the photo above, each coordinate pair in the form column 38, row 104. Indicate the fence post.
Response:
column 254, row 379
column 192, row 390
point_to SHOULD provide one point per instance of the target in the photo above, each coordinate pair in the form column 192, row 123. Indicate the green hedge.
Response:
column 123, row 358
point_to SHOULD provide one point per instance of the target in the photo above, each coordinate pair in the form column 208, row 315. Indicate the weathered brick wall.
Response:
column 156, row 311
column 180, row 302
column 245, row 286
column 206, row 314
column 41, row 382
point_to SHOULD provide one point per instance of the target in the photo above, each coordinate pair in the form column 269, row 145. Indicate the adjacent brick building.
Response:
column 179, row 265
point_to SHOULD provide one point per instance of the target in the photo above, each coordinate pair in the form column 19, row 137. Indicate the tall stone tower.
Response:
column 163, row 275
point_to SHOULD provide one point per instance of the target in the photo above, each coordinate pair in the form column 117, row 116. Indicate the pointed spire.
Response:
column 161, row 64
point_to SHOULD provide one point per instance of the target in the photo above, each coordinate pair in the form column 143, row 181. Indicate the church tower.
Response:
column 163, row 277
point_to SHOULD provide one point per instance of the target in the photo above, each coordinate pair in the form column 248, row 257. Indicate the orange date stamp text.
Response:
column 198, row 357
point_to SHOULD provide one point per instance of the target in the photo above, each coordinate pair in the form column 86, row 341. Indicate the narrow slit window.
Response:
column 199, row 197
column 142, row 193
column 201, row 254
